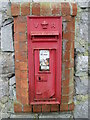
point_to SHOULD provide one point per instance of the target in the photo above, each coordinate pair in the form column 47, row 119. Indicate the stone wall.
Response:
column 81, row 60
column 7, row 74
column 7, row 79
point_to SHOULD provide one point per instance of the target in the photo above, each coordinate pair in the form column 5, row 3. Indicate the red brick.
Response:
column 17, row 108
column 73, row 23
column 73, row 45
column 17, row 65
column 65, row 90
column 67, row 74
column 20, row 27
column 24, row 92
column 25, row 100
column 25, row 9
column 23, row 56
column 66, row 18
column 72, row 53
column 65, row 83
column 45, row 9
column 36, row 108
column 24, row 84
column 16, row 46
column 45, row 108
column 23, row 65
column 67, row 64
column 65, row 9
column 54, row 108
column 27, row 108
column 65, row 99
column 73, row 36
column 15, row 18
column 71, row 106
column 17, row 73
column 35, row 8
column 67, row 35
column 23, row 75
column 18, row 83
column 68, row 45
column 67, row 56
column 70, row 25
column 18, row 92
column 23, row 46
column 63, row 107
column 17, row 56
column 20, row 19
column 24, row 96
column 15, row 9
column 16, row 37
column 15, row 30
column 22, row 37
column 71, row 76
column 74, row 9
column 71, row 96
column 18, row 96
column 55, row 8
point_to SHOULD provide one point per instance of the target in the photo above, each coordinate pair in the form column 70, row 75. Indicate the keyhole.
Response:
column 39, row 78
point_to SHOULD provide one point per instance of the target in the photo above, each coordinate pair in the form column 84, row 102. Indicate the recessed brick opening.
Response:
column 20, row 11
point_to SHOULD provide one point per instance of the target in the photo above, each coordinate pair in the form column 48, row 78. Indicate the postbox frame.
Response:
column 31, row 63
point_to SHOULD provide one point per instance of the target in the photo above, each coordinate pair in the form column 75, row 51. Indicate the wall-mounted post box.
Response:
column 44, row 59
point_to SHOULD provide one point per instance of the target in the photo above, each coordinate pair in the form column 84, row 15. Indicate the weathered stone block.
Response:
column 12, row 92
column 4, row 99
column 7, row 64
column 1, row 106
column 7, row 107
column 12, row 88
column 4, row 90
column 84, row 16
column 83, row 30
column 5, row 115
column 64, row 115
column 80, row 87
column 81, row 98
column 6, row 38
column 81, row 65
column 3, row 5
column 84, row 80
column 3, row 8
column 81, row 110
column 82, row 3
column 12, row 81
column 0, row 19
column 7, row 22
column 30, row 115
column 81, row 41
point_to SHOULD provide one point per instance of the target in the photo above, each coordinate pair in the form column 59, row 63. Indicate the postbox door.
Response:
column 44, row 74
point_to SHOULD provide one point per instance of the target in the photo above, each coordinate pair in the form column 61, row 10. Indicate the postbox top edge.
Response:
column 44, row 16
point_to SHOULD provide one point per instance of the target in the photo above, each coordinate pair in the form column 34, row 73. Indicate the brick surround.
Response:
column 68, row 12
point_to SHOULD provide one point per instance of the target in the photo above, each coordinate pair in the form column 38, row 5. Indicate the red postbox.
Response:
column 44, row 59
